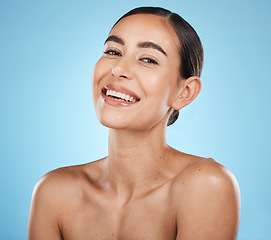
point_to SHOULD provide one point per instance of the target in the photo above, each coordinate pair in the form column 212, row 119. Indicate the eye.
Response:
column 112, row 52
column 149, row 60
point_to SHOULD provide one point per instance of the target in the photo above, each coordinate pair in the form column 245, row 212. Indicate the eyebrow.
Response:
column 151, row 45
column 147, row 44
column 114, row 38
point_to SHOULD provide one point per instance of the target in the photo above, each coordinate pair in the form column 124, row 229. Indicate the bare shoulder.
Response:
column 207, row 197
column 55, row 194
column 206, row 177
column 68, row 180
column 207, row 172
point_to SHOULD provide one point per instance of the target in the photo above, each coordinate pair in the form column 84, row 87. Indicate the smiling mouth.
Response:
column 120, row 96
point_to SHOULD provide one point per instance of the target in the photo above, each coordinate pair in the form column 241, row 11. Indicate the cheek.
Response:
column 98, row 73
column 159, row 85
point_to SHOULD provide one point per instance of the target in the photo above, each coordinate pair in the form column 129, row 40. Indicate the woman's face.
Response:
column 135, row 80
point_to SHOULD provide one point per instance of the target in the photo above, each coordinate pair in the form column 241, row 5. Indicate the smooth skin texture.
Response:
column 143, row 189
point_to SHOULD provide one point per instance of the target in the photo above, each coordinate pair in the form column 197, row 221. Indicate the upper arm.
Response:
column 44, row 211
column 209, row 204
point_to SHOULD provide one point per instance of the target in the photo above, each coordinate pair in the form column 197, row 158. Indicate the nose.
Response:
column 123, row 69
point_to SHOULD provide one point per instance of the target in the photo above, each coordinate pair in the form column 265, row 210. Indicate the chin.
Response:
column 116, row 122
column 122, row 123
column 129, row 120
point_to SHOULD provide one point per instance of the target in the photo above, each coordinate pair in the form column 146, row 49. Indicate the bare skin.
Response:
column 144, row 189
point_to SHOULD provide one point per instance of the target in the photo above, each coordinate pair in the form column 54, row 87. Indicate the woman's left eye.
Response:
column 149, row 60
column 112, row 52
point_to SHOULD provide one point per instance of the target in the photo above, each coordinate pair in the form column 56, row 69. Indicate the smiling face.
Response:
column 135, row 81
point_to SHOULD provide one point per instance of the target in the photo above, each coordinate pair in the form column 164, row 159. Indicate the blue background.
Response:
column 47, row 51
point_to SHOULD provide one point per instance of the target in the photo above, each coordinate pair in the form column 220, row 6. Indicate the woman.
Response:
column 143, row 189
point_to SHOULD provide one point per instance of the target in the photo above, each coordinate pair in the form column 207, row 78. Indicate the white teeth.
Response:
column 123, row 96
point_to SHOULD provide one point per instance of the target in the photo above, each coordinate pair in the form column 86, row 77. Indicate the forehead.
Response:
column 147, row 27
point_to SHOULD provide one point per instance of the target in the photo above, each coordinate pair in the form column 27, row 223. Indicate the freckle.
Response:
column 183, row 182
column 199, row 169
column 112, row 234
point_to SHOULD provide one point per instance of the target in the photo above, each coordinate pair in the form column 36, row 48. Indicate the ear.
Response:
column 189, row 90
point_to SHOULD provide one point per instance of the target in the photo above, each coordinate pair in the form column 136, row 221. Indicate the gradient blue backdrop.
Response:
column 48, row 49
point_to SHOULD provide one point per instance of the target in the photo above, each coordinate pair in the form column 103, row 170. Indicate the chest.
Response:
column 151, row 217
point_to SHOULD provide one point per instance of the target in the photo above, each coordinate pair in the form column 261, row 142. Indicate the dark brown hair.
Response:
column 191, row 50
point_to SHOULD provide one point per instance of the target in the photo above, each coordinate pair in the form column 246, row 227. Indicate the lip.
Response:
column 121, row 89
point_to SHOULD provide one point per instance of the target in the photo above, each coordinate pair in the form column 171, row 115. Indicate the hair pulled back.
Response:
column 190, row 51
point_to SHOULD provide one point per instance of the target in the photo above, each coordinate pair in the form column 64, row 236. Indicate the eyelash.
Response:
column 112, row 52
column 149, row 61
column 145, row 60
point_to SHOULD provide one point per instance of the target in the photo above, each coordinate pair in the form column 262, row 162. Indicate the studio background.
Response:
column 47, row 51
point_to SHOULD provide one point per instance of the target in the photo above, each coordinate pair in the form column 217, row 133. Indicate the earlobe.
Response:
column 188, row 92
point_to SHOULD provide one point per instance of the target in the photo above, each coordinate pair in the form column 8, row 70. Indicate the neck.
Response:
column 136, row 159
